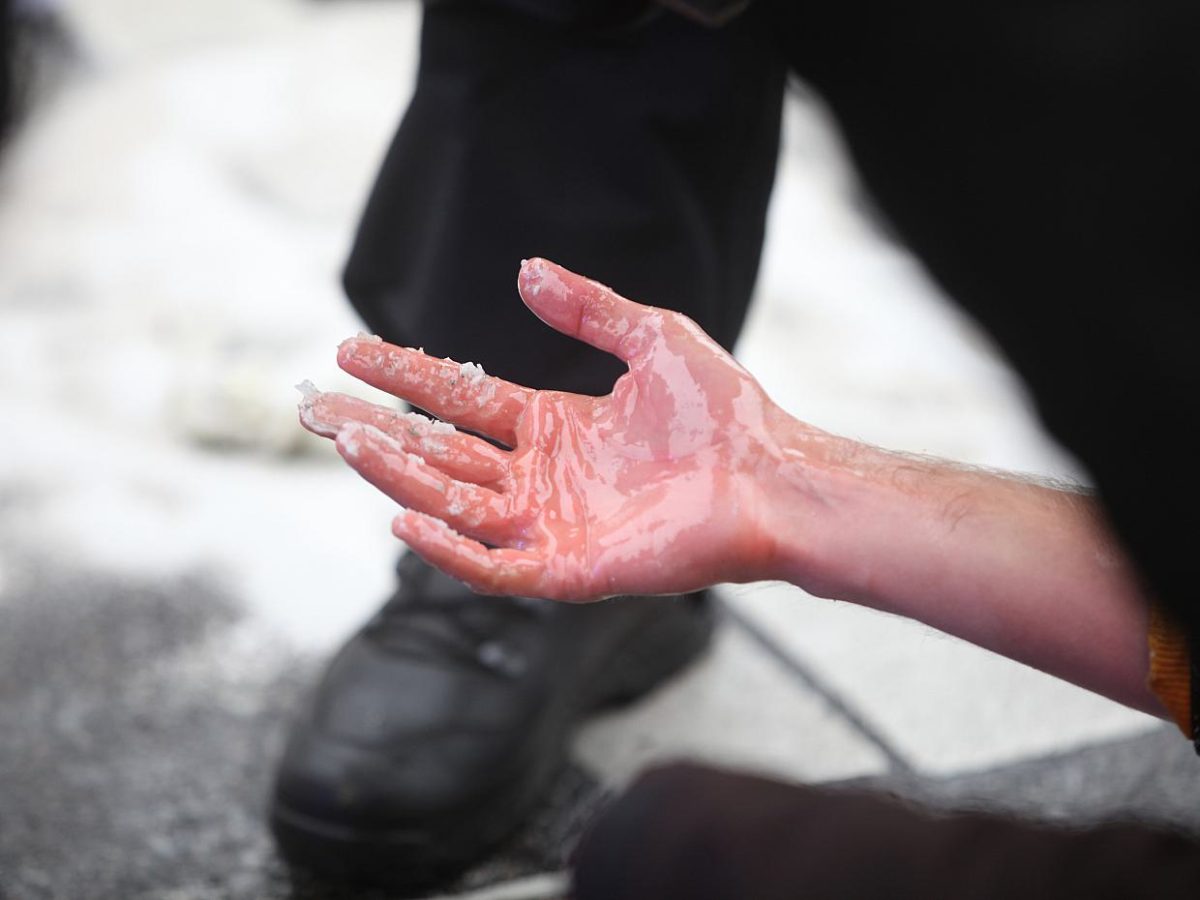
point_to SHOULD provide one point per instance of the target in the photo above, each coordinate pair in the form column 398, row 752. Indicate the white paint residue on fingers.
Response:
column 485, row 394
column 471, row 372
column 476, row 378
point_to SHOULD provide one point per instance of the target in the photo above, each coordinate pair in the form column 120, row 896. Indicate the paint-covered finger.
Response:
column 461, row 393
column 501, row 571
column 460, row 455
column 413, row 483
column 587, row 310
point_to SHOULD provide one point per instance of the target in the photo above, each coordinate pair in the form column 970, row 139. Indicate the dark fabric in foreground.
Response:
column 685, row 831
column 1040, row 158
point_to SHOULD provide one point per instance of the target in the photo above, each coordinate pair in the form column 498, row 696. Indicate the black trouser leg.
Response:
column 642, row 158
column 1042, row 160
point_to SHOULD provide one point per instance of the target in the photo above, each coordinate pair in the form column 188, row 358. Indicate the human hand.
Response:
column 654, row 488
column 687, row 475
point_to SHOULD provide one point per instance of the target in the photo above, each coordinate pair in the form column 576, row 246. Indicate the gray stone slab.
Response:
column 944, row 705
column 1152, row 777
column 738, row 707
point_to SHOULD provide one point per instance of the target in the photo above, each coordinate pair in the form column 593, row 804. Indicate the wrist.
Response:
column 849, row 521
column 812, row 489
column 1028, row 571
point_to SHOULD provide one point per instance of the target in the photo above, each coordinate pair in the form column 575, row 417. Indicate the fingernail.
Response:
column 308, row 398
column 533, row 274
column 308, row 389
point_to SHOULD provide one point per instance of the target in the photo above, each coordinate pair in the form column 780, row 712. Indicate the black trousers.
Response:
column 1039, row 157
column 643, row 158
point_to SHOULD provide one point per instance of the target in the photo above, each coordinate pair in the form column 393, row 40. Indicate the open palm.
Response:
column 644, row 490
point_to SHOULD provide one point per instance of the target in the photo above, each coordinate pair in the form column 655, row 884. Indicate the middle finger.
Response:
column 457, row 392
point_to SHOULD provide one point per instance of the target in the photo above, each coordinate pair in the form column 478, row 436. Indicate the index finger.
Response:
column 585, row 309
column 461, row 393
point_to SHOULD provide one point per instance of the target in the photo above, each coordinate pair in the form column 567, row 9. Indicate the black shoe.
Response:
column 439, row 726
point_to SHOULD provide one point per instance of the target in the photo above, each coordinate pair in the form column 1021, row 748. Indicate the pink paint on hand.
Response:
column 651, row 489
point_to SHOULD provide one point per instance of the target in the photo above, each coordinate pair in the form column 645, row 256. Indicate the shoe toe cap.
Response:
column 408, row 784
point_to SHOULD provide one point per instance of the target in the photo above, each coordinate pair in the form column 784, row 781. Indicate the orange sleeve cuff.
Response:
column 1170, row 668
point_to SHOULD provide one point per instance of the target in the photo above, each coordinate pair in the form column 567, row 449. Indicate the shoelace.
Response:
column 439, row 622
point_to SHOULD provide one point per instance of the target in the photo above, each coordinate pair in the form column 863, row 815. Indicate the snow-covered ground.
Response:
column 172, row 225
column 171, row 232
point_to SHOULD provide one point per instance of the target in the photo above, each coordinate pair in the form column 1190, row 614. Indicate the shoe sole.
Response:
column 419, row 858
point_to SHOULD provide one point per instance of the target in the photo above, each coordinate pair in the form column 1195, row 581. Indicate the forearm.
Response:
column 1019, row 568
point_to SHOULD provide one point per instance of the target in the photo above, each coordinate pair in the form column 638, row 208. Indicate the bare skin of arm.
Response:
column 687, row 474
